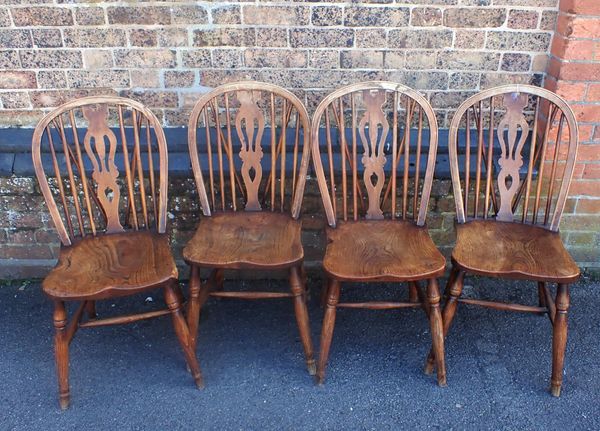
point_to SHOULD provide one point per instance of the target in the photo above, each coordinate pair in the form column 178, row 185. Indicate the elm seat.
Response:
column 111, row 265
column 513, row 250
column 382, row 250
column 239, row 240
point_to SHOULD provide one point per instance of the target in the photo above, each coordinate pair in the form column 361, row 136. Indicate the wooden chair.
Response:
column 510, row 174
column 255, row 155
column 112, row 226
column 376, row 205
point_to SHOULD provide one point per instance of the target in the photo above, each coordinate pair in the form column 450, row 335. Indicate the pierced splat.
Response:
column 511, row 160
column 250, row 125
column 373, row 157
column 105, row 171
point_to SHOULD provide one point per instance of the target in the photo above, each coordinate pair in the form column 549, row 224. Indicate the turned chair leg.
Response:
column 333, row 296
column 183, row 334
column 453, row 290
column 324, row 292
column 437, row 331
column 559, row 338
column 61, row 353
column 90, row 308
column 298, row 291
column 193, row 308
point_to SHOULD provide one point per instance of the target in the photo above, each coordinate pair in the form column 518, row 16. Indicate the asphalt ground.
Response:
column 133, row 377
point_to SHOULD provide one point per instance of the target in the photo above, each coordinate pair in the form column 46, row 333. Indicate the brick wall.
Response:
column 574, row 73
column 167, row 53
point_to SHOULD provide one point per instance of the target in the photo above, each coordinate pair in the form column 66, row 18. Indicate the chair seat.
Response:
column 513, row 250
column 382, row 250
column 111, row 265
column 239, row 240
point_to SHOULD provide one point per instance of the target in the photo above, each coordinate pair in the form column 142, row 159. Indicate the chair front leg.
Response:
column 333, row 296
column 183, row 334
column 193, row 308
column 61, row 353
column 559, row 338
column 453, row 290
column 437, row 331
column 301, row 312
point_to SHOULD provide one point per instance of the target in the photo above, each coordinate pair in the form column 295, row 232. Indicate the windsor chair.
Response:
column 380, row 235
column 112, row 227
column 511, row 170
column 255, row 155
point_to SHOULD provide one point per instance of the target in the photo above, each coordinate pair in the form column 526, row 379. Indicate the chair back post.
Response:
column 536, row 190
column 386, row 150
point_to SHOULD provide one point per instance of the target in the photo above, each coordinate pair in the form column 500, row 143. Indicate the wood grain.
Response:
column 381, row 250
column 246, row 240
column 111, row 265
column 513, row 250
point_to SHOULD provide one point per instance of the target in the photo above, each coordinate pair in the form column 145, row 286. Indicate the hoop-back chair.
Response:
column 249, row 149
column 106, row 191
column 511, row 172
column 376, row 201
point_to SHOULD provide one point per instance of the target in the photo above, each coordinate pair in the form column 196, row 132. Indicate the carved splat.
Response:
column 511, row 160
column 105, row 171
column 250, row 125
column 373, row 157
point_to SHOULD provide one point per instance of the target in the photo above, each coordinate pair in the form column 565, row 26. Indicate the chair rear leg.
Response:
column 193, row 309
column 301, row 312
column 437, row 331
column 183, row 334
column 61, row 353
column 453, row 290
column 90, row 308
column 333, row 296
column 559, row 338
column 413, row 295
column 541, row 295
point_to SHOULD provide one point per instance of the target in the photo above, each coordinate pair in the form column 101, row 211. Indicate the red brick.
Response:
column 585, row 188
column 569, row 49
column 572, row 92
column 583, row 7
column 587, row 113
column 584, row 27
column 588, row 206
column 593, row 94
column 591, row 171
column 579, row 71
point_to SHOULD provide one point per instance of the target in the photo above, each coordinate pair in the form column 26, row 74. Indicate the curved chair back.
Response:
column 516, row 159
column 101, row 163
column 395, row 131
column 249, row 142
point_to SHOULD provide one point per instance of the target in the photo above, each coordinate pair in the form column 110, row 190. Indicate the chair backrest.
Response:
column 240, row 134
column 97, row 160
column 518, row 145
column 396, row 130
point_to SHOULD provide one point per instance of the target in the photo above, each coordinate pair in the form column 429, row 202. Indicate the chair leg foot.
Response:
column 429, row 366
column 64, row 401
column 555, row 390
column 312, row 367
